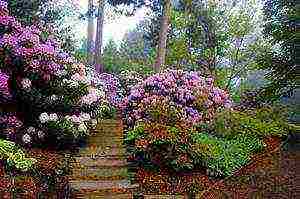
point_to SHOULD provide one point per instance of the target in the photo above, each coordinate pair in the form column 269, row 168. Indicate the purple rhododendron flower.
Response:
column 180, row 88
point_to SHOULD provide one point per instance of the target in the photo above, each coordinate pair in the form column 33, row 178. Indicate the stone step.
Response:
column 101, row 185
column 120, row 189
column 109, row 128
column 104, row 144
column 110, row 157
column 107, row 134
column 96, row 172
column 104, row 139
column 100, row 162
column 165, row 197
column 100, row 152
column 98, row 178
column 96, row 195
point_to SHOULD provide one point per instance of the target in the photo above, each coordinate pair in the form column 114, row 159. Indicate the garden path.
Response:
column 100, row 169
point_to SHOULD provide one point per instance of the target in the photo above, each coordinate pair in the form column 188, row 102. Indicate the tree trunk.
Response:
column 163, row 36
column 90, row 33
column 99, row 39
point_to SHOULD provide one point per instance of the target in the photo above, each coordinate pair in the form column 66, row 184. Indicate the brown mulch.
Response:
column 271, row 174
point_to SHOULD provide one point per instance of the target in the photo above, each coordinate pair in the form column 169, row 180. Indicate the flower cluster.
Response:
column 5, row 95
column 10, row 120
column 55, row 96
column 93, row 96
column 76, row 124
column 38, row 55
column 10, row 125
column 109, row 83
column 194, row 98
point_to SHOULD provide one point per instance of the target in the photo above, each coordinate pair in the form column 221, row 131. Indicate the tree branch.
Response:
column 232, row 75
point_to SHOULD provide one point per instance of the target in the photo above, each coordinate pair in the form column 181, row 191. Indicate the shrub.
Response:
column 261, row 122
column 180, row 148
column 161, row 113
column 52, row 94
column 193, row 96
column 161, row 145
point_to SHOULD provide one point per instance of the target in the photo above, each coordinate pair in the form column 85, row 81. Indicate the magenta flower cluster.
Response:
column 39, row 56
column 195, row 96
column 5, row 94
column 11, row 121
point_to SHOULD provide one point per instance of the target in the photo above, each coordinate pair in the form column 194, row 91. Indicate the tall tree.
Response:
column 163, row 36
column 281, row 24
column 90, row 32
column 99, row 37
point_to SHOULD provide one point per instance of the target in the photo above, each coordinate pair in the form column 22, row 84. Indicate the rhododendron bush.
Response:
column 175, row 121
column 51, row 92
column 161, row 114
column 187, row 95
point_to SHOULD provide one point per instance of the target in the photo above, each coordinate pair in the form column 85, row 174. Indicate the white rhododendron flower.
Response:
column 65, row 81
column 26, row 138
column 94, row 122
column 53, row 117
column 68, row 117
column 26, row 83
column 53, row 97
column 75, row 119
column 31, row 130
column 61, row 73
column 44, row 118
column 82, row 128
column 73, row 83
column 41, row 134
column 93, row 96
column 85, row 116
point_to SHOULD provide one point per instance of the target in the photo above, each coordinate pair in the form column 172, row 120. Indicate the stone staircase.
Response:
column 100, row 168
